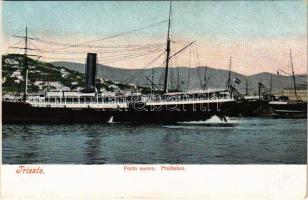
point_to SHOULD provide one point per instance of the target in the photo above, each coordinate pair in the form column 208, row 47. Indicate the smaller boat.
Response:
column 283, row 107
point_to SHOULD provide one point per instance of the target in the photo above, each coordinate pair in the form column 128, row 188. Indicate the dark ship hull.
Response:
column 289, row 109
column 20, row 112
column 174, row 113
column 249, row 108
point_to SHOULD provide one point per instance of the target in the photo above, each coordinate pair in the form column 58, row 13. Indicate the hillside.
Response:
column 69, row 75
column 44, row 76
column 216, row 77
column 41, row 75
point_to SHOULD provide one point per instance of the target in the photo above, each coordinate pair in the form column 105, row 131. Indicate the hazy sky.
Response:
column 257, row 34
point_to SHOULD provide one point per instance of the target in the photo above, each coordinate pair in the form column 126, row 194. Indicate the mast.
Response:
column 246, row 86
column 26, row 64
column 152, row 78
column 204, row 78
column 271, row 82
column 168, row 53
column 188, row 75
column 178, row 79
column 293, row 76
column 229, row 75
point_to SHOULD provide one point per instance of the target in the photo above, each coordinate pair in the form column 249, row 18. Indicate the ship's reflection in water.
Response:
column 239, row 141
column 92, row 148
column 26, row 135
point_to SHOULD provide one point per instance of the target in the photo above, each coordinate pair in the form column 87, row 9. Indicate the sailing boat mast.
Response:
column 178, row 79
column 204, row 78
column 152, row 80
column 246, row 86
column 293, row 76
column 229, row 75
column 271, row 82
column 168, row 53
column 26, row 64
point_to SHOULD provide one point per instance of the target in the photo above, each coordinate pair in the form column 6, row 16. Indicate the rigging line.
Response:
column 150, row 63
column 113, row 54
column 130, row 50
column 140, row 48
column 123, row 47
column 51, row 42
column 35, row 47
column 35, row 36
column 173, row 81
column 41, row 51
column 197, row 54
column 178, row 74
column 29, row 49
column 117, row 35
column 121, row 52
column 126, row 46
column 51, row 56
column 180, row 51
column 63, row 53
column 173, row 76
column 15, row 50
column 15, row 44
column 108, row 61
column 22, row 30
column 100, row 46
column 284, row 72
column 125, row 54
column 129, row 57
column 60, row 59
column 188, row 78
column 198, row 67
column 178, row 42
column 23, row 37
column 126, row 57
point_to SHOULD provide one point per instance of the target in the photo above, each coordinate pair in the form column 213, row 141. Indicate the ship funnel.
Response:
column 90, row 72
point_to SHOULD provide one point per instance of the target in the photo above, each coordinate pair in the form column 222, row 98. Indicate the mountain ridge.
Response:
column 216, row 78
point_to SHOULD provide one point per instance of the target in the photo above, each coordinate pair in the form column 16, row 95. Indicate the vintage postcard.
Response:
column 154, row 99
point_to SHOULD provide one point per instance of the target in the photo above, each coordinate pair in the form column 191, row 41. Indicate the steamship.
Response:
column 92, row 106
column 283, row 107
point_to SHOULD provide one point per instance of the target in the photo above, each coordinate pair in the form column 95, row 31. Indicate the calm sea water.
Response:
column 238, row 141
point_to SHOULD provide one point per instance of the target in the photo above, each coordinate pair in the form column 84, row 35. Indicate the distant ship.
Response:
column 283, row 107
column 92, row 106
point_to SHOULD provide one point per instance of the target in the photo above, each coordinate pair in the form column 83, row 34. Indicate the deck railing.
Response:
column 114, row 100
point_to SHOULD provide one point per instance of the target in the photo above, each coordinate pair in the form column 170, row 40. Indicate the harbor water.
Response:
column 238, row 141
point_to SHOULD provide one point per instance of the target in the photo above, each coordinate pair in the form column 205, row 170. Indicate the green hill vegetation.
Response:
column 44, row 76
